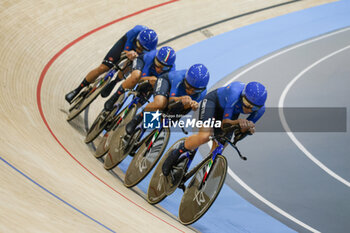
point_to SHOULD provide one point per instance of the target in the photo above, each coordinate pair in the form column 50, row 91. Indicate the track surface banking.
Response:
column 282, row 174
column 54, row 195
column 229, row 207
column 42, row 76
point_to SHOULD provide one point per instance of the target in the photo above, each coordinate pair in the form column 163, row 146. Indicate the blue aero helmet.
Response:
column 148, row 39
column 166, row 56
column 255, row 93
column 197, row 77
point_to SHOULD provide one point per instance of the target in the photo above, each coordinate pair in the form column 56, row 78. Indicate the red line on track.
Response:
column 41, row 79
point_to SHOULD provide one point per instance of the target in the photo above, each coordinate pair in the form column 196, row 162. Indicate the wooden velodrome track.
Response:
column 49, row 180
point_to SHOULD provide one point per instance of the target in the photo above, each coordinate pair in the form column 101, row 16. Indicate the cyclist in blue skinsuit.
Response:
column 187, row 86
column 225, row 104
column 136, row 41
column 148, row 66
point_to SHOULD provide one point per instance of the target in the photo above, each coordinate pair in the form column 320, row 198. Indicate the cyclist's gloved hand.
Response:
column 194, row 105
column 131, row 55
column 244, row 124
column 152, row 80
column 186, row 100
column 251, row 130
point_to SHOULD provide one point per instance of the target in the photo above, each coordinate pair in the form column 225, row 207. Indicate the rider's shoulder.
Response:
column 235, row 86
column 262, row 110
column 177, row 74
column 139, row 28
column 149, row 56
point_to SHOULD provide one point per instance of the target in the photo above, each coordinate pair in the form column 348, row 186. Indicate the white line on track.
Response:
column 286, row 126
column 232, row 174
column 283, row 52
column 271, row 205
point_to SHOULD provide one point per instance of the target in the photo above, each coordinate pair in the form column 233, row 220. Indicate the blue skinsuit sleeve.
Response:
column 131, row 35
column 173, row 87
column 228, row 111
column 201, row 96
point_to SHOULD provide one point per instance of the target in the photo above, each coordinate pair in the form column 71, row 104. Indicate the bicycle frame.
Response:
column 156, row 134
column 135, row 100
column 218, row 150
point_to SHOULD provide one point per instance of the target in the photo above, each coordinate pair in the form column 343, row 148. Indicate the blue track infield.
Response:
column 226, row 53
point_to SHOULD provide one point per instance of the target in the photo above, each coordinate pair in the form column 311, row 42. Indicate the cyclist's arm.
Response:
column 186, row 100
column 255, row 116
column 151, row 79
column 229, row 121
column 148, row 78
column 138, row 64
column 132, row 80
column 130, row 39
column 228, row 113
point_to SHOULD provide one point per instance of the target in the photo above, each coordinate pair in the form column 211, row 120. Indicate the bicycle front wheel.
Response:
column 199, row 195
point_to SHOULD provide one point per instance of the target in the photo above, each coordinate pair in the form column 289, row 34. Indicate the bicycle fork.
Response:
column 218, row 150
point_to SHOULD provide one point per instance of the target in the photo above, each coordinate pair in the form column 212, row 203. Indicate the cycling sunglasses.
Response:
column 193, row 89
column 161, row 66
column 140, row 47
column 247, row 104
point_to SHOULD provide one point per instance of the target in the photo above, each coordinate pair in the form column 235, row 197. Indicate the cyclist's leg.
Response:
column 207, row 110
column 194, row 142
column 160, row 102
column 93, row 74
column 112, row 56
column 129, row 83
column 72, row 94
column 111, row 59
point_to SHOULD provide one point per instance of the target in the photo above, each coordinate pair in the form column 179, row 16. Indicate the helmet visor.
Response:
column 247, row 104
column 193, row 89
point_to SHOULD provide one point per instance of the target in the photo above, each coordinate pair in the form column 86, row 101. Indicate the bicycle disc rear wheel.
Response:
column 118, row 149
column 144, row 160
column 199, row 196
column 101, row 122
column 160, row 185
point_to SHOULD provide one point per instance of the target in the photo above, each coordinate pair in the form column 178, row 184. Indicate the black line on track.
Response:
column 225, row 20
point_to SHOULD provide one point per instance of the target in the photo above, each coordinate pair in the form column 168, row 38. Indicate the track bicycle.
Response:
column 118, row 145
column 207, row 180
column 90, row 92
column 150, row 149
